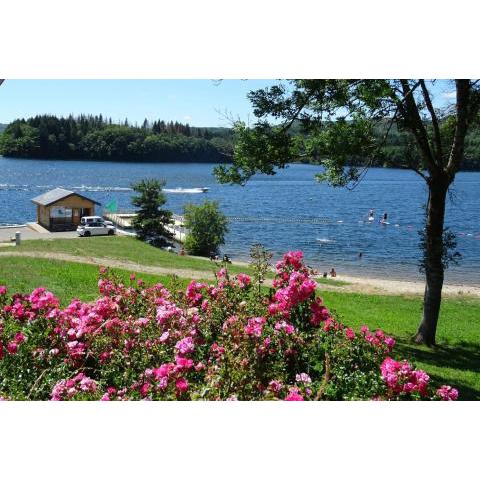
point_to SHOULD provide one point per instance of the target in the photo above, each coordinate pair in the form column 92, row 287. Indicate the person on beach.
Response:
column 333, row 273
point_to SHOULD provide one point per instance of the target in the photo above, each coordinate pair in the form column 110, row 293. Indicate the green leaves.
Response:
column 151, row 220
column 206, row 226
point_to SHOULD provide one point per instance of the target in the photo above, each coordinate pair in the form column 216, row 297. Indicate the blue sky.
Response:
column 200, row 103
column 197, row 102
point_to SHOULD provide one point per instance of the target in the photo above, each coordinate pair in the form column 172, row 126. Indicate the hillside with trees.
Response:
column 98, row 138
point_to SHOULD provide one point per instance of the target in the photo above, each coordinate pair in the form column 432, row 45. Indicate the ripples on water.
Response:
column 328, row 224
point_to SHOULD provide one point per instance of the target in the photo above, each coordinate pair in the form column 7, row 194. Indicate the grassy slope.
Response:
column 124, row 248
column 131, row 249
column 456, row 360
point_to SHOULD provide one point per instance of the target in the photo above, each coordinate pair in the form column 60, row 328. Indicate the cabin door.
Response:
column 76, row 216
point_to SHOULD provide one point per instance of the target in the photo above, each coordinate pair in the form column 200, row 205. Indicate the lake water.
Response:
column 286, row 211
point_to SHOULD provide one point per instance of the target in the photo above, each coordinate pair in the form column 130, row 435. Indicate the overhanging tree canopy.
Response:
column 337, row 121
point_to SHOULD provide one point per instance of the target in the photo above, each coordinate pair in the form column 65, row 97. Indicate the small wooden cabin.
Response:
column 60, row 210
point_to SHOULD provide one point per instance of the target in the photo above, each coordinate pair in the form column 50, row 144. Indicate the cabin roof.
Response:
column 53, row 196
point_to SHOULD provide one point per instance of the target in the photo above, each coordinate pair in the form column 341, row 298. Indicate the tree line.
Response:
column 94, row 137
column 97, row 138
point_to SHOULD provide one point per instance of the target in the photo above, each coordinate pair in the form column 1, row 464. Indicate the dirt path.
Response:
column 355, row 284
column 113, row 263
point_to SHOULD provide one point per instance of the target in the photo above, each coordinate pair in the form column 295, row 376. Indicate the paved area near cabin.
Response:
column 28, row 233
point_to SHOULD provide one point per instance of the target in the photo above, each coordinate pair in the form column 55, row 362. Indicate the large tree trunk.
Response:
column 434, row 268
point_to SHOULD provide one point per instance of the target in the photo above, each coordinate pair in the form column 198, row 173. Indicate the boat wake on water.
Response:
column 186, row 190
column 325, row 240
column 96, row 188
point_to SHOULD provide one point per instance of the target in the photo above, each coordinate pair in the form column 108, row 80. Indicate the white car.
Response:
column 94, row 219
column 95, row 228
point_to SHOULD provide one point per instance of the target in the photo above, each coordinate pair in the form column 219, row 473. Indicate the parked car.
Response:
column 94, row 219
column 95, row 228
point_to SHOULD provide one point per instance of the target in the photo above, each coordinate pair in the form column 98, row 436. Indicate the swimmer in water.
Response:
column 384, row 218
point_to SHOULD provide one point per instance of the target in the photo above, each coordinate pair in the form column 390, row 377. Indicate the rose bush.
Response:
column 226, row 341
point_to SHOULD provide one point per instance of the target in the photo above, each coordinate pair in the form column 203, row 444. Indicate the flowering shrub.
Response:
column 227, row 341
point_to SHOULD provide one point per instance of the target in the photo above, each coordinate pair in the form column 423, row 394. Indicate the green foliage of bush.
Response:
column 207, row 227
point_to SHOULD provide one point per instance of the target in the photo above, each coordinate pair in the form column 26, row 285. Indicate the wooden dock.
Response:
column 124, row 221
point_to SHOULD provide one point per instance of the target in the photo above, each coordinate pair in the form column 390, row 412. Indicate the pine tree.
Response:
column 151, row 220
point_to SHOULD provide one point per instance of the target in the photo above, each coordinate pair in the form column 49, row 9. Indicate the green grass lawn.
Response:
column 122, row 248
column 456, row 359
column 133, row 250
column 67, row 280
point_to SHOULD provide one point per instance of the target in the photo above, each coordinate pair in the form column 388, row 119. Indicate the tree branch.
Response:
column 413, row 120
column 433, row 116
column 462, row 107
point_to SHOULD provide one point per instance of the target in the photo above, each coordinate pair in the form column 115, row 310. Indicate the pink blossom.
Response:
column 303, row 378
column 446, row 392
column 3, row 289
column 185, row 346
column 349, row 333
column 389, row 342
column 183, row 363
column 294, row 395
column 181, row 384
column 243, row 280
column 164, row 336
column 254, row 326
column 275, row 386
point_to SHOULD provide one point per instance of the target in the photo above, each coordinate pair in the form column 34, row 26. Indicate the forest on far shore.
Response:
column 97, row 138
column 91, row 137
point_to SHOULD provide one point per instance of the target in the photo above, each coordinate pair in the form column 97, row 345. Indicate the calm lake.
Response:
column 284, row 212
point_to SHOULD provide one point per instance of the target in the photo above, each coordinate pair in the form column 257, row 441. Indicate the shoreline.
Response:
column 379, row 286
column 403, row 287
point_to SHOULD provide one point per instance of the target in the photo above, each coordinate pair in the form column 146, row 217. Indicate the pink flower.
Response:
column 389, row 342
column 286, row 327
column 446, row 392
column 303, row 378
column 144, row 389
column 275, row 386
column 12, row 348
column 254, row 326
column 294, row 395
column 164, row 337
column 243, row 280
column 349, row 333
column 183, row 363
column 185, row 345
column 181, row 384
column 3, row 289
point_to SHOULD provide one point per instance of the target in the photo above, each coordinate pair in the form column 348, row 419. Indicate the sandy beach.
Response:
column 398, row 287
